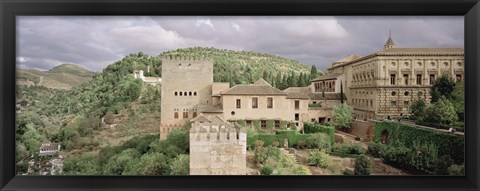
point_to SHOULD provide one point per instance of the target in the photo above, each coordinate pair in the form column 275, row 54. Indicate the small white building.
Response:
column 57, row 166
column 49, row 148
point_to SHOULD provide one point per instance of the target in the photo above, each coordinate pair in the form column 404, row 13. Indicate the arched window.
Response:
column 176, row 93
column 180, row 93
column 190, row 93
column 185, row 93
column 195, row 93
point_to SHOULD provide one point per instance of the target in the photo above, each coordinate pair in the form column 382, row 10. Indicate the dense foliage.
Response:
column 275, row 163
column 363, row 165
column 243, row 67
column 319, row 141
column 317, row 128
column 138, row 156
column 342, row 115
column 319, row 158
column 417, row 148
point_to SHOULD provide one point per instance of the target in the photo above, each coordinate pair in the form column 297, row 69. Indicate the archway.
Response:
column 384, row 138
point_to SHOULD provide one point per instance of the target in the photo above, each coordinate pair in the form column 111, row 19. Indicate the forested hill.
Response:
column 239, row 67
column 72, row 69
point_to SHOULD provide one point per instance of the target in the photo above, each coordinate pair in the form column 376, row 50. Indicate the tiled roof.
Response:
column 260, row 87
column 328, row 96
column 214, row 109
column 327, row 77
column 297, row 95
column 349, row 58
column 200, row 118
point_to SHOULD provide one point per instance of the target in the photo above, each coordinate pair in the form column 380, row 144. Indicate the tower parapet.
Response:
column 217, row 147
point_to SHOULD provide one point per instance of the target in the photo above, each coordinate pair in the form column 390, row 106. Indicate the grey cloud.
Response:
column 95, row 42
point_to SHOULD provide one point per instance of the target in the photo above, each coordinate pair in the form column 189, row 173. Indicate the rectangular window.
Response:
column 249, row 123
column 277, row 124
column 175, row 115
column 392, row 79
column 297, row 116
column 393, row 103
column 432, row 78
column 255, row 102
column 405, row 79
column 185, row 114
column 419, row 79
column 297, row 104
column 269, row 102
column 263, row 124
column 238, row 104
column 194, row 114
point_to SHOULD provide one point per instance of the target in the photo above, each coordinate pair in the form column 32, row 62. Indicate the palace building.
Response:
column 377, row 86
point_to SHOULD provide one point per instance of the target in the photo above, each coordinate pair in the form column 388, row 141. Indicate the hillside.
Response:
column 240, row 67
column 72, row 69
column 60, row 77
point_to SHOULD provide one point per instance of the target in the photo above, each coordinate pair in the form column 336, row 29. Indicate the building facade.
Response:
column 383, row 84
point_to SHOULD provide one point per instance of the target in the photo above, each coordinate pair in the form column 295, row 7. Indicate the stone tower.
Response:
column 217, row 147
column 186, row 90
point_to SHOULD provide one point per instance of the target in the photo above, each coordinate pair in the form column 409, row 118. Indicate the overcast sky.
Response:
column 95, row 42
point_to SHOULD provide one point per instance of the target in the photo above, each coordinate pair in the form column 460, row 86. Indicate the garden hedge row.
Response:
column 448, row 144
column 280, row 135
column 309, row 128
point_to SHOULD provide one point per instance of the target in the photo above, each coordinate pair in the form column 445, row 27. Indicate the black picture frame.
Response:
column 470, row 9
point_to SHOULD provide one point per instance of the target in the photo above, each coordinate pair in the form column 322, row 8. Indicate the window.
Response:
column 405, row 79
column 392, row 79
column 406, row 93
column 277, row 124
column 432, row 78
column 297, row 104
column 419, row 79
column 185, row 114
column 180, row 93
column 249, row 123
column 176, row 93
column 297, row 116
column 185, row 93
column 194, row 114
column 263, row 124
column 239, row 104
column 194, row 93
column 393, row 103
column 394, row 93
column 255, row 102
column 189, row 93
column 269, row 102
column 459, row 78
column 175, row 115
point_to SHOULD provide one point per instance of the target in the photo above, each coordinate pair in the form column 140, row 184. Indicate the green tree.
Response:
column 342, row 115
column 148, row 164
column 363, row 165
column 318, row 141
column 442, row 112
column 417, row 108
column 313, row 72
column 443, row 86
column 319, row 158
column 458, row 99
column 180, row 165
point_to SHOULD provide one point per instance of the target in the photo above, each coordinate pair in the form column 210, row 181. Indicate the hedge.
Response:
column 292, row 135
column 448, row 144
column 309, row 128
column 438, row 126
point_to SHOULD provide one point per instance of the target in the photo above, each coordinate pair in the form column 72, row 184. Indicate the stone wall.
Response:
column 217, row 149
column 363, row 129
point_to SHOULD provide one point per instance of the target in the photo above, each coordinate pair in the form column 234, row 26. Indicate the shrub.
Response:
column 319, row 158
column 310, row 128
column 300, row 170
column 363, row 165
column 376, row 149
column 456, row 170
column 318, row 141
column 266, row 170
column 259, row 143
column 349, row 149
column 442, row 165
column 423, row 155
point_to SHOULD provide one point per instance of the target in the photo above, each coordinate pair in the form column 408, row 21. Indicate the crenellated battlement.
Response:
column 209, row 132
column 180, row 58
